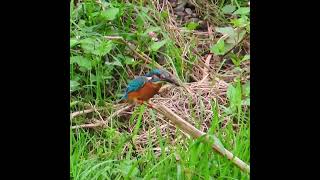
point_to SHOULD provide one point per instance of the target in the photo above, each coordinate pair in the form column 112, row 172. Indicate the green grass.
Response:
column 99, row 72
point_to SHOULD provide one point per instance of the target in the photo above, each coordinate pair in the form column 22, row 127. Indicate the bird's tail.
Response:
column 122, row 100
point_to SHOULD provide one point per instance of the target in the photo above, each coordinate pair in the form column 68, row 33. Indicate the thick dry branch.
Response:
column 195, row 133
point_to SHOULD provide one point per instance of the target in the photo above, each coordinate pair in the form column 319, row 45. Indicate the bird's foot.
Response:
column 150, row 106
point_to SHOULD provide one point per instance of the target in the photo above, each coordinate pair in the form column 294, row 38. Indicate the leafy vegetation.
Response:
column 102, row 36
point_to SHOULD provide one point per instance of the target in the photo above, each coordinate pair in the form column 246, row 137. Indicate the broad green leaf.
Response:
column 240, row 35
column 88, row 45
column 229, row 31
column 192, row 25
column 225, row 30
column 110, row 14
column 228, row 46
column 219, row 48
column 246, row 89
column 155, row 46
column 236, row 37
column 103, row 48
column 242, row 11
column 82, row 62
column 228, row 9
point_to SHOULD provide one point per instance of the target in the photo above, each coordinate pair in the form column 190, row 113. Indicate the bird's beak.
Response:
column 172, row 81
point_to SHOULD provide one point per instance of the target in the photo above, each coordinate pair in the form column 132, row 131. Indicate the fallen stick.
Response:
column 195, row 133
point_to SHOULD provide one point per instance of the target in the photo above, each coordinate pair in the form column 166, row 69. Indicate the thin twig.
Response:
column 205, row 70
column 74, row 114
column 94, row 107
column 101, row 123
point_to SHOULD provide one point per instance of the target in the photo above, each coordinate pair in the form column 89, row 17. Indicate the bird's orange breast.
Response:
column 145, row 93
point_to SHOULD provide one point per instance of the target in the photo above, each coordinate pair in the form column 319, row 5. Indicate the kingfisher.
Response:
column 142, row 88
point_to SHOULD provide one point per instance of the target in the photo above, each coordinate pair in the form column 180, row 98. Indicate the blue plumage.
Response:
column 160, row 75
column 134, row 85
column 155, row 76
column 155, row 71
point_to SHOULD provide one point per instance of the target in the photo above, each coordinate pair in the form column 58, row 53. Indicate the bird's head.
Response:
column 159, row 76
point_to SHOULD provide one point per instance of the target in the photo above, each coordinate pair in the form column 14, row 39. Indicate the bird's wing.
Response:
column 135, row 84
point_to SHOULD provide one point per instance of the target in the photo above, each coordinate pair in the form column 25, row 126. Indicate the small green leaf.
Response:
column 231, row 92
column 219, row 48
column 192, row 25
column 74, row 85
column 243, row 21
column 73, row 103
column 128, row 60
column 246, row 102
column 164, row 14
column 155, row 46
column 152, row 29
column 242, row 11
column 116, row 62
column 73, row 42
column 234, row 95
column 93, row 78
column 235, row 59
column 110, row 14
column 228, row 9
column 245, row 57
